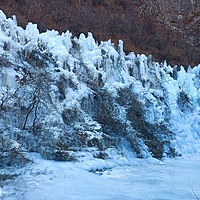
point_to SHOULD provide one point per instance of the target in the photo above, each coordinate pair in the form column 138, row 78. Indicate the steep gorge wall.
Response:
column 168, row 30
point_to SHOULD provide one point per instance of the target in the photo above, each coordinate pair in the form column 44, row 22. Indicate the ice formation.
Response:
column 72, row 98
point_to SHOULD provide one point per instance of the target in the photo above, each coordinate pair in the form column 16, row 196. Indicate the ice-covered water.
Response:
column 146, row 179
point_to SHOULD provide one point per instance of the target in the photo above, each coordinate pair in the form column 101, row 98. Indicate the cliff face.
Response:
column 73, row 99
column 166, row 29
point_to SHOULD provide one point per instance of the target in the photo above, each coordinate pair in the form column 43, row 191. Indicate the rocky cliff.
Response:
column 167, row 29
column 71, row 98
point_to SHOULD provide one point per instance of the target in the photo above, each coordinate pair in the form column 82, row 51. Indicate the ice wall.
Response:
column 81, row 93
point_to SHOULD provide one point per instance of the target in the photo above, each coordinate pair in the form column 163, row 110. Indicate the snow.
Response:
column 150, row 179
column 92, row 61
column 121, row 176
column 79, row 61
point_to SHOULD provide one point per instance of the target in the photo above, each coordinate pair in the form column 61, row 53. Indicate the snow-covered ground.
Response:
column 143, row 179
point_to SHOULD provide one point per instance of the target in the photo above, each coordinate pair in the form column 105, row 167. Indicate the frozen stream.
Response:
column 177, row 179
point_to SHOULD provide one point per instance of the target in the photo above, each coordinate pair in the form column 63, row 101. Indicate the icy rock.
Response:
column 73, row 97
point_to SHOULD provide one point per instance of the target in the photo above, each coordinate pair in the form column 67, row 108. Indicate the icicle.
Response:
column 32, row 32
column 121, row 49
column 14, row 20
column 2, row 16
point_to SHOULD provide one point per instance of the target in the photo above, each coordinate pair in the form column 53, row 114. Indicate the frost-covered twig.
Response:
column 194, row 193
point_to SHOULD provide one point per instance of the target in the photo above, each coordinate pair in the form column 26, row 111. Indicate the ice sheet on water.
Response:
column 150, row 179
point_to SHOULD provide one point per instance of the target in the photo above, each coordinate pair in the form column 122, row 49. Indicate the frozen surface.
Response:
column 144, row 179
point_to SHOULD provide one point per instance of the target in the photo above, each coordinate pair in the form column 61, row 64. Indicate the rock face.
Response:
column 167, row 29
column 72, row 98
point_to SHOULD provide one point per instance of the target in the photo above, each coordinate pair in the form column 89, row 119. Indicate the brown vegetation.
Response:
column 167, row 29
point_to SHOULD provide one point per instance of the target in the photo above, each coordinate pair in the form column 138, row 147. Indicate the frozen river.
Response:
column 177, row 179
